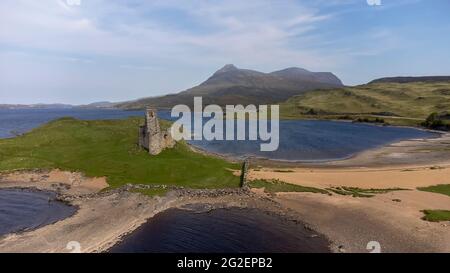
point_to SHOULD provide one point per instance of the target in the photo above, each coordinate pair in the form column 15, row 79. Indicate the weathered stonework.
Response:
column 151, row 137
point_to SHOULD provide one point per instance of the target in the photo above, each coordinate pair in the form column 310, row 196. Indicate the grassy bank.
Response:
column 389, row 103
column 442, row 189
column 358, row 192
column 436, row 215
column 274, row 186
column 108, row 148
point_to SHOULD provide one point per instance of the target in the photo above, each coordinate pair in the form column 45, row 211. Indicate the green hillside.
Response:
column 394, row 103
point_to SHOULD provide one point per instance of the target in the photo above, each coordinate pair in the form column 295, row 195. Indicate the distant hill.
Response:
column 36, row 106
column 231, row 85
column 97, row 105
column 397, row 103
column 412, row 79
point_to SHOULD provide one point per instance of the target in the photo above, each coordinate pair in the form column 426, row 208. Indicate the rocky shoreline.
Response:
column 106, row 209
column 402, row 153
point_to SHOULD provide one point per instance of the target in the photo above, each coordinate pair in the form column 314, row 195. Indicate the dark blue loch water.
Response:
column 300, row 140
column 222, row 230
column 25, row 210
column 314, row 140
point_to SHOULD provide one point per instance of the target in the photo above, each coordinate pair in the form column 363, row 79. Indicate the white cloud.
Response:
column 235, row 30
column 142, row 46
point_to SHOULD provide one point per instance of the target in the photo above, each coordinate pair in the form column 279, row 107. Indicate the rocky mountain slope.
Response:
column 231, row 85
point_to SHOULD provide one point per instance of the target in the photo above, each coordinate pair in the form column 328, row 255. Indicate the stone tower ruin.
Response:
column 151, row 137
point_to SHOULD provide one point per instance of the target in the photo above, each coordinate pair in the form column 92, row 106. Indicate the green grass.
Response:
column 274, row 186
column 108, row 148
column 397, row 104
column 358, row 192
column 436, row 215
column 442, row 189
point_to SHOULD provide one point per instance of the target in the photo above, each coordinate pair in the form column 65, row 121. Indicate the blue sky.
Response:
column 53, row 51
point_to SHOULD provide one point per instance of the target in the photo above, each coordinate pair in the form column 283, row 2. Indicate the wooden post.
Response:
column 244, row 173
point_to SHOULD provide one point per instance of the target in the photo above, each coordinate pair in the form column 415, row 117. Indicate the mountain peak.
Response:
column 297, row 73
column 297, row 69
column 227, row 68
column 292, row 71
column 231, row 85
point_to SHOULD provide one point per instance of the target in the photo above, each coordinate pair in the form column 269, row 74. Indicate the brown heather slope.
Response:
column 397, row 103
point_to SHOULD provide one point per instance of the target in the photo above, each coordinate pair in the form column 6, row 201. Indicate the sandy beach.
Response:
column 351, row 223
column 393, row 218
column 380, row 178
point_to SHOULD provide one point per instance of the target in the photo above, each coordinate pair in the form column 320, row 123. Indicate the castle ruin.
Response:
column 151, row 137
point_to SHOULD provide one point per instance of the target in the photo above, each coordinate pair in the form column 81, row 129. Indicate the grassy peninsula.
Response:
column 108, row 148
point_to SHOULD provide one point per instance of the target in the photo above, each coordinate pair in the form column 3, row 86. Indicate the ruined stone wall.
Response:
column 244, row 173
column 151, row 137
column 143, row 137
